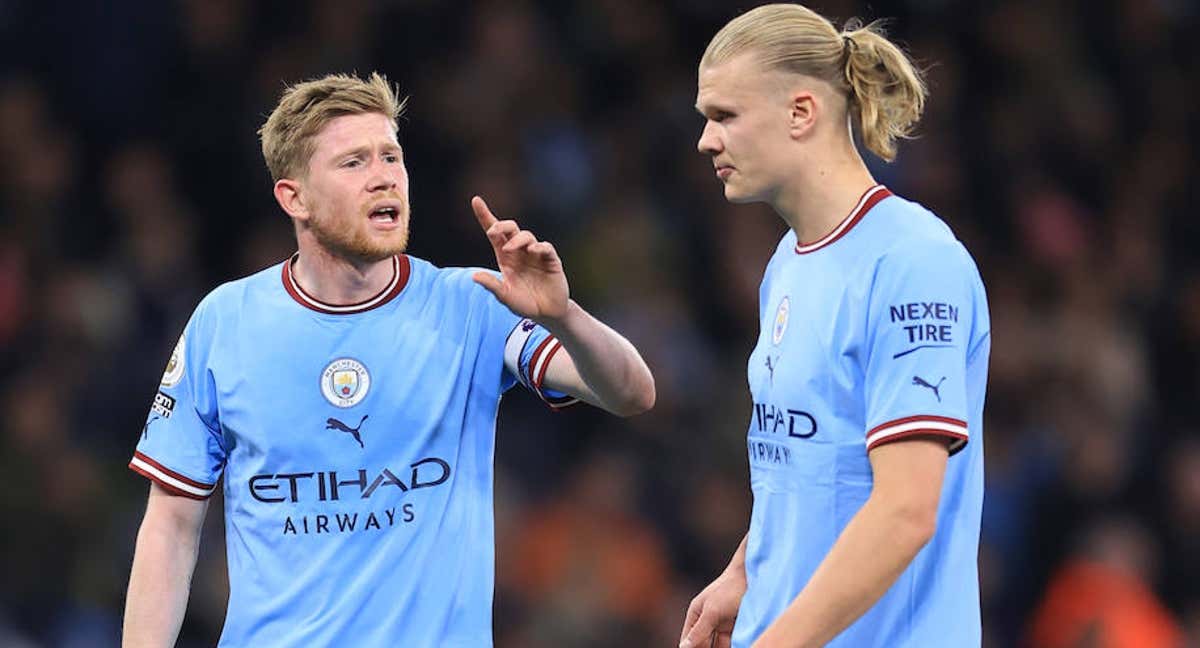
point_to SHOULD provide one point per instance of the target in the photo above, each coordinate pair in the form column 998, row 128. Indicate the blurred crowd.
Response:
column 1060, row 143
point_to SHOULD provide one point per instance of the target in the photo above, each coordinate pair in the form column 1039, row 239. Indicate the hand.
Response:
column 712, row 613
column 532, row 282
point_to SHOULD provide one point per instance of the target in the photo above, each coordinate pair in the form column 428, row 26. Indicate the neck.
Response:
column 336, row 280
column 820, row 196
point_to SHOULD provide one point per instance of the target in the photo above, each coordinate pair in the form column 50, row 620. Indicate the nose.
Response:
column 383, row 177
column 710, row 142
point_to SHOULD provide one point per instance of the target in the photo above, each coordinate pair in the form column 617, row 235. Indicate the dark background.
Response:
column 1060, row 144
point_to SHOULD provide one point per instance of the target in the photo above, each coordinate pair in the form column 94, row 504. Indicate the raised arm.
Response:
column 600, row 366
column 167, row 546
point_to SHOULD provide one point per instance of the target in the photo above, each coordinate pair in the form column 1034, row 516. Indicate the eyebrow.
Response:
column 713, row 108
column 357, row 151
column 360, row 151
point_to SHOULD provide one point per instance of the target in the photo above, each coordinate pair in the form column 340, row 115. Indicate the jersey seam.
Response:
column 973, row 351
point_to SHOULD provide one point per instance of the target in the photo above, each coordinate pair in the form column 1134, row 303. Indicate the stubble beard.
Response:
column 355, row 244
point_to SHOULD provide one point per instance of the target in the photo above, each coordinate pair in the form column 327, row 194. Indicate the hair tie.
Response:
column 848, row 42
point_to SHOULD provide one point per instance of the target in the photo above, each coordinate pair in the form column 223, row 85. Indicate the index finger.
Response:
column 482, row 213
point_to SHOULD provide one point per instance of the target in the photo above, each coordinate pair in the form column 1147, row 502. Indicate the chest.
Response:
column 382, row 389
column 806, row 377
column 810, row 335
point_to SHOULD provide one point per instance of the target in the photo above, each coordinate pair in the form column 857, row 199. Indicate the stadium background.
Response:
column 1060, row 143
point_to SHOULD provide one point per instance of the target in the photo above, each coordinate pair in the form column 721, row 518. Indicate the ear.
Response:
column 288, row 195
column 802, row 116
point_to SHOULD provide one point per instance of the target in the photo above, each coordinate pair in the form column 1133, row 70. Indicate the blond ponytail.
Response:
column 884, row 91
column 887, row 93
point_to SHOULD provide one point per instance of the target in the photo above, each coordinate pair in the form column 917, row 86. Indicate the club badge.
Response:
column 345, row 382
column 174, row 371
column 781, row 320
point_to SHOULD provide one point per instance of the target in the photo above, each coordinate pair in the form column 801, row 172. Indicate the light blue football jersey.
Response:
column 877, row 332
column 355, row 444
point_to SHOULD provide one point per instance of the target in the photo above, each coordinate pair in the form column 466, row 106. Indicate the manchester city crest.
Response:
column 345, row 382
column 781, row 320
column 174, row 370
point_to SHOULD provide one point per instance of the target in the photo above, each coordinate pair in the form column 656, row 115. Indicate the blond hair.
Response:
column 884, row 90
column 304, row 108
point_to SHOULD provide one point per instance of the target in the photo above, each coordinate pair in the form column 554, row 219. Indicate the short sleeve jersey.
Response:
column 355, row 447
column 873, row 334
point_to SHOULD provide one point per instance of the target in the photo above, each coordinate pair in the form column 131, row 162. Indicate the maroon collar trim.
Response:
column 868, row 200
column 400, row 272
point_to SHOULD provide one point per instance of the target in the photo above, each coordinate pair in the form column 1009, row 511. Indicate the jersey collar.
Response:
column 400, row 272
column 868, row 200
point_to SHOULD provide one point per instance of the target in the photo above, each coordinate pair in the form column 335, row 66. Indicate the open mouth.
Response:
column 385, row 215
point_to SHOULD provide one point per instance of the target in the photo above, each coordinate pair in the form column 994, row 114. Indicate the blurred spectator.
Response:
column 585, row 564
column 1102, row 597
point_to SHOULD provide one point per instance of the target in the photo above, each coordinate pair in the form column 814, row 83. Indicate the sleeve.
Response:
column 527, row 354
column 181, row 446
column 917, row 338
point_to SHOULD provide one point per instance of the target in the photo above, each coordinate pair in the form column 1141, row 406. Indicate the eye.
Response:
column 391, row 158
column 351, row 163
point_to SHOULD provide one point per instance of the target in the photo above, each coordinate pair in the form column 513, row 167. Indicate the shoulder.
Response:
column 453, row 296
column 912, row 256
column 912, row 236
column 235, row 290
column 453, row 281
column 233, row 297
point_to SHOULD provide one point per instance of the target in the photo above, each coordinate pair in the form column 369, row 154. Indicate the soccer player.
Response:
column 865, row 446
column 347, row 398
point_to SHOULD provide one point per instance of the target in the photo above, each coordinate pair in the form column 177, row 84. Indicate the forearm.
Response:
column 158, row 586
column 871, row 553
column 606, row 362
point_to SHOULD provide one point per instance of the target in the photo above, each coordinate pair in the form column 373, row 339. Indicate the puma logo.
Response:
column 917, row 380
column 771, row 368
column 334, row 424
